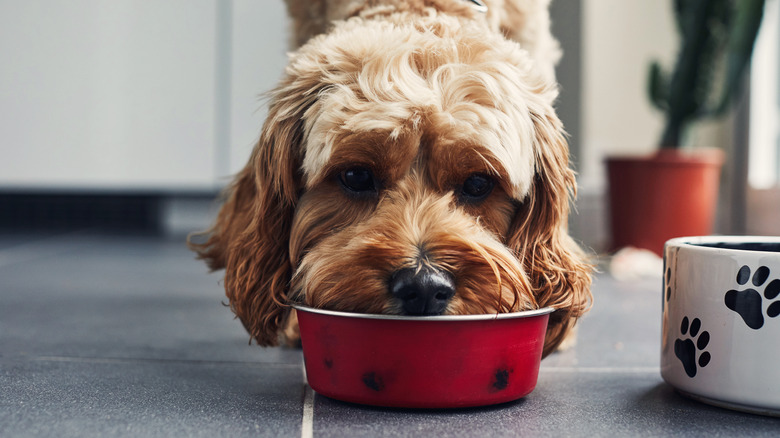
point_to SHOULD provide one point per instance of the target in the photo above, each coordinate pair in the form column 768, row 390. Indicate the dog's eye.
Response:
column 358, row 180
column 477, row 187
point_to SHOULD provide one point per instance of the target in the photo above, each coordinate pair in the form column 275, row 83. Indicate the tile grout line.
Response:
column 127, row 360
column 596, row 370
column 307, row 422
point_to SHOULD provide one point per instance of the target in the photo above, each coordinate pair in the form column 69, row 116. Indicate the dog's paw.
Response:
column 291, row 335
column 570, row 341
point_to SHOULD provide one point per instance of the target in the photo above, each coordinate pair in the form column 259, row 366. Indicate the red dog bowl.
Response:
column 422, row 361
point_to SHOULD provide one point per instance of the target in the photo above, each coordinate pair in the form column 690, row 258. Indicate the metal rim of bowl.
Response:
column 477, row 317
column 703, row 243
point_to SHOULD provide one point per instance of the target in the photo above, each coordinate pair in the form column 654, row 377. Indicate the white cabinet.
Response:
column 132, row 94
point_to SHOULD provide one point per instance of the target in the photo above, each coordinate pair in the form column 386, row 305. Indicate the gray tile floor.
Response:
column 128, row 336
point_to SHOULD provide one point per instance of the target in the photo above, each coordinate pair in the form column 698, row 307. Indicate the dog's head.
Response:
column 416, row 169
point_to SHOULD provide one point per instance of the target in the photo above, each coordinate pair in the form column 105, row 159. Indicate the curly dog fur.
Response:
column 406, row 134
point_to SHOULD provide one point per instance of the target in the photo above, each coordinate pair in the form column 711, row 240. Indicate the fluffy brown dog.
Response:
column 411, row 163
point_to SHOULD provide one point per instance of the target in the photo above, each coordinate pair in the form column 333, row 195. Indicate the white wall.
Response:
column 620, row 39
column 764, row 162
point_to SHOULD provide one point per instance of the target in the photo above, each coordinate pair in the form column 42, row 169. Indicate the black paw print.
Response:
column 748, row 303
column 668, row 290
column 685, row 349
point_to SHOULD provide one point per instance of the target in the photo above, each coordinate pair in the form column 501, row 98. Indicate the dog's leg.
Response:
column 569, row 341
column 291, row 334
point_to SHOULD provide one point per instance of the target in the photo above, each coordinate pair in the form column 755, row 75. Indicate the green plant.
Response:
column 716, row 44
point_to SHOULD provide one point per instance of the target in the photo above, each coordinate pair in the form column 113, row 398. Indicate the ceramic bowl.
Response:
column 721, row 329
column 422, row 361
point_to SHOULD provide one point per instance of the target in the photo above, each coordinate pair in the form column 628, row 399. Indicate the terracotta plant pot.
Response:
column 663, row 196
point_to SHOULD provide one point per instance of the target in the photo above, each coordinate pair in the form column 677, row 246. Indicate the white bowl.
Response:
column 721, row 330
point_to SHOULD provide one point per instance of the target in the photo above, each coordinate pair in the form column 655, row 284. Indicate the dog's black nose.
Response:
column 424, row 291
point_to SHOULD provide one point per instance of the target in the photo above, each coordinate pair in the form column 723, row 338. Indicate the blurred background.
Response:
column 132, row 115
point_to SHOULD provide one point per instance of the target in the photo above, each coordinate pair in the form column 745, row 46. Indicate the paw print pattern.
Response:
column 748, row 303
column 668, row 291
column 686, row 349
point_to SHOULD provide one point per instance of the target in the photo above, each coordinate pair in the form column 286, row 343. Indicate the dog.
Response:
column 411, row 163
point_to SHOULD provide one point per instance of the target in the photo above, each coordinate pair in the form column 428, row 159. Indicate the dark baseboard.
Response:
column 41, row 211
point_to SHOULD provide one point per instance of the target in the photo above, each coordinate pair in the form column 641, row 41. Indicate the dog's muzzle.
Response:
column 422, row 291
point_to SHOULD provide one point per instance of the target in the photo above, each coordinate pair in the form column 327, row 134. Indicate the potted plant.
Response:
column 674, row 192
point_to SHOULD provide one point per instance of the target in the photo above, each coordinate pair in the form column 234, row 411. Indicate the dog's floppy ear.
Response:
column 559, row 270
column 250, row 238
